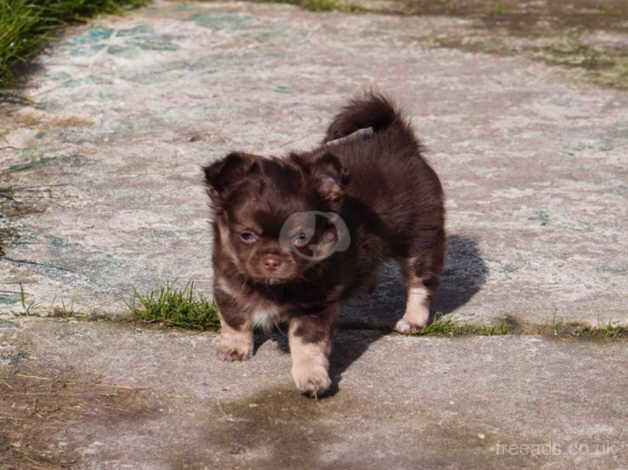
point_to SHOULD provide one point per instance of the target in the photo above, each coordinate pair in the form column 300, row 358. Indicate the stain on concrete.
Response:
column 124, row 42
column 73, row 264
column 13, row 359
column 275, row 427
column 7, row 324
column 21, row 201
column 229, row 22
column 586, row 37
column 522, row 16
column 8, row 299
column 39, row 411
column 70, row 160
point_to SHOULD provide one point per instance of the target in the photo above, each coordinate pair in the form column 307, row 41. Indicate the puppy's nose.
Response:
column 271, row 263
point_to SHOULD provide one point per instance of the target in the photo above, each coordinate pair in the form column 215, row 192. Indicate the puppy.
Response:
column 295, row 236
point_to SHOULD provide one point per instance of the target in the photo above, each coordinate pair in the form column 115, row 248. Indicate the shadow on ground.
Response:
column 463, row 275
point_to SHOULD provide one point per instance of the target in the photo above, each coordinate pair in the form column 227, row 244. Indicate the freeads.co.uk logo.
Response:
column 314, row 235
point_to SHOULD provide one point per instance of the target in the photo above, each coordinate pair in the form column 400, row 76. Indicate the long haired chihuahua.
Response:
column 295, row 236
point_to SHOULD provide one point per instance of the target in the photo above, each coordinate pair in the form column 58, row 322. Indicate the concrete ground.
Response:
column 100, row 194
column 106, row 395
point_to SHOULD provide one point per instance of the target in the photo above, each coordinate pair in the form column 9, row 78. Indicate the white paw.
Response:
column 235, row 347
column 311, row 379
column 404, row 327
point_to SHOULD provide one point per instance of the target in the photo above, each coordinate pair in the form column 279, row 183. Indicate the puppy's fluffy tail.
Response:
column 374, row 111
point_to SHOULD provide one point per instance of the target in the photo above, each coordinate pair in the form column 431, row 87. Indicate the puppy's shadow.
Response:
column 364, row 321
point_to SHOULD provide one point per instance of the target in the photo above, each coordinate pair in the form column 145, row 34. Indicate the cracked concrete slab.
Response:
column 106, row 395
column 100, row 187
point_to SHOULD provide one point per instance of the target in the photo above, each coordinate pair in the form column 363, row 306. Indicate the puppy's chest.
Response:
column 267, row 309
column 267, row 316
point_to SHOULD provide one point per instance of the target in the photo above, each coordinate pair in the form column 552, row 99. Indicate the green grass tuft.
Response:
column 441, row 327
column 27, row 25
column 177, row 307
column 509, row 326
column 22, row 296
column 499, row 8
column 323, row 5
column 578, row 330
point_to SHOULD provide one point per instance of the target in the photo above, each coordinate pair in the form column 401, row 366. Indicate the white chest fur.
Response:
column 266, row 317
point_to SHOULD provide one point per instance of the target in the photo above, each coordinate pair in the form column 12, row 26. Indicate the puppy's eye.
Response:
column 300, row 240
column 248, row 237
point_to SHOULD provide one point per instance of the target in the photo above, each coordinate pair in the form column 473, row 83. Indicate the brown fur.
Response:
column 389, row 198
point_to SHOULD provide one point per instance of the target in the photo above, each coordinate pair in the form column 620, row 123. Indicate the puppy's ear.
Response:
column 330, row 178
column 225, row 172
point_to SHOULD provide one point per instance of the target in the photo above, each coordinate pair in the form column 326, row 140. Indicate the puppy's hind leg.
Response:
column 417, row 312
column 422, row 278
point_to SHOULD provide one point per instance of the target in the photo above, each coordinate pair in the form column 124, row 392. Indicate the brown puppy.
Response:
column 295, row 236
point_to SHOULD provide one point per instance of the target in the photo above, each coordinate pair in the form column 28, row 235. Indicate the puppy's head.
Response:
column 275, row 217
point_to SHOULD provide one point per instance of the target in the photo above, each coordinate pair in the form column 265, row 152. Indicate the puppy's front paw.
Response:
column 405, row 327
column 235, row 347
column 311, row 379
